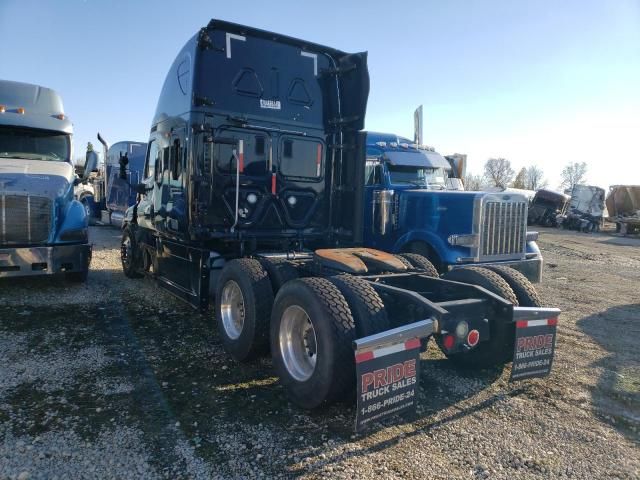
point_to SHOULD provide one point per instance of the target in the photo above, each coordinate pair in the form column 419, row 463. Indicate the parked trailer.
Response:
column 623, row 205
column 43, row 229
column 586, row 211
column 253, row 191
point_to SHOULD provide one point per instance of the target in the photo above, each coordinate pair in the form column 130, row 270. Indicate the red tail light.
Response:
column 473, row 338
column 449, row 341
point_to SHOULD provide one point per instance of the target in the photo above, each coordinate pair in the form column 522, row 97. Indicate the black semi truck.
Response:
column 253, row 197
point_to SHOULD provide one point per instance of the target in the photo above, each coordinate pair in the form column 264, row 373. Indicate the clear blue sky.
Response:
column 542, row 82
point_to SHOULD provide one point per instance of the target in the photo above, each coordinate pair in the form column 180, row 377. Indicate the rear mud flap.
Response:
column 387, row 372
column 535, row 340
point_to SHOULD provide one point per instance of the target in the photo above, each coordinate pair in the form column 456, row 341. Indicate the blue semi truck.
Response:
column 43, row 228
column 408, row 208
column 253, row 199
column 107, row 193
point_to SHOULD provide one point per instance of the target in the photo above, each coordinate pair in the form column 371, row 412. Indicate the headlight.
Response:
column 469, row 240
column 532, row 236
column 77, row 235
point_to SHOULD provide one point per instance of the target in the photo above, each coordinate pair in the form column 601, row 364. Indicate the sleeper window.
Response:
column 301, row 158
column 255, row 160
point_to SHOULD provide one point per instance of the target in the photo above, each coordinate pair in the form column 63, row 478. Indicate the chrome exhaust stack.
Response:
column 105, row 149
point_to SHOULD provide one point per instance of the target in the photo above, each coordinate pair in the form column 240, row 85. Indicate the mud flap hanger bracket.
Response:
column 534, row 313
column 419, row 329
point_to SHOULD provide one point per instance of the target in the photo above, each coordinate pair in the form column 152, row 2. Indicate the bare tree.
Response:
column 473, row 182
column 498, row 172
column 521, row 179
column 535, row 178
column 573, row 174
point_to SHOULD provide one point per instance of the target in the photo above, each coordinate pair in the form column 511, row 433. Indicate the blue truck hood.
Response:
column 445, row 211
column 35, row 177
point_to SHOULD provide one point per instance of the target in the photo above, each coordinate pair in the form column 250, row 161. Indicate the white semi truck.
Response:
column 43, row 229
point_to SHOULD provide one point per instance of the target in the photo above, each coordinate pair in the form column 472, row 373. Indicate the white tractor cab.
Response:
column 44, row 230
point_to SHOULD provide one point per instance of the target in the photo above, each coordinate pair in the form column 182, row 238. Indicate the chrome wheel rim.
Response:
column 298, row 343
column 232, row 309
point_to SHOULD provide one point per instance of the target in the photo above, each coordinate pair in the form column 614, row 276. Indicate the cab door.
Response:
column 145, row 210
column 175, row 179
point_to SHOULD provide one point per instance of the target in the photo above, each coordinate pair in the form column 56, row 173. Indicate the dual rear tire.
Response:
column 508, row 284
column 312, row 329
column 244, row 298
column 309, row 325
column 417, row 262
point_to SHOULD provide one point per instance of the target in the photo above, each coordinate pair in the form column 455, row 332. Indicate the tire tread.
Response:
column 420, row 262
column 263, row 300
column 524, row 290
column 366, row 306
column 344, row 329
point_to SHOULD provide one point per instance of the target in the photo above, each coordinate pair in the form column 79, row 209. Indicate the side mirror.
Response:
column 123, row 161
column 90, row 164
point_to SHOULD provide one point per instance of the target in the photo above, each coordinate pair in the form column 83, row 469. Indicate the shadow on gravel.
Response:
column 156, row 365
column 633, row 241
column 442, row 386
column 616, row 397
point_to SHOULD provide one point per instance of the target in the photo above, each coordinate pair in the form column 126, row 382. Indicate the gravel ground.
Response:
column 117, row 379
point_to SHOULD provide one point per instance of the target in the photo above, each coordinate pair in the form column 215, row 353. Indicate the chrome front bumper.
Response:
column 530, row 268
column 26, row 261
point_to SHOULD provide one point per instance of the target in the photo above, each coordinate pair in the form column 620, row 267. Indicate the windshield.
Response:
column 29, row 144
column 417, row 176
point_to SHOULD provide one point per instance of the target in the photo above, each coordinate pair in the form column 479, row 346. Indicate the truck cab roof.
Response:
column 32, row 106
column 402, row 151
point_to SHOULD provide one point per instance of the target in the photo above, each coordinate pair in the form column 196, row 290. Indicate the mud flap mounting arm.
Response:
column 419, row 329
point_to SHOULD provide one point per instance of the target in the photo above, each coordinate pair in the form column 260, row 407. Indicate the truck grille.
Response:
column 24, row 219
column 504, row 228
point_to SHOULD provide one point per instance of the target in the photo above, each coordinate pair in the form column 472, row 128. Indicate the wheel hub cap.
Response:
column 298, row 343
column 232, row 309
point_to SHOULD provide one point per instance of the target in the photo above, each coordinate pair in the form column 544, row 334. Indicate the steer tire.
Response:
column 497, row 350
column 366, row 305
column 420, row 263
column 131, row 259
column 280, row 272
column 251, row 338
column 332, row 376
